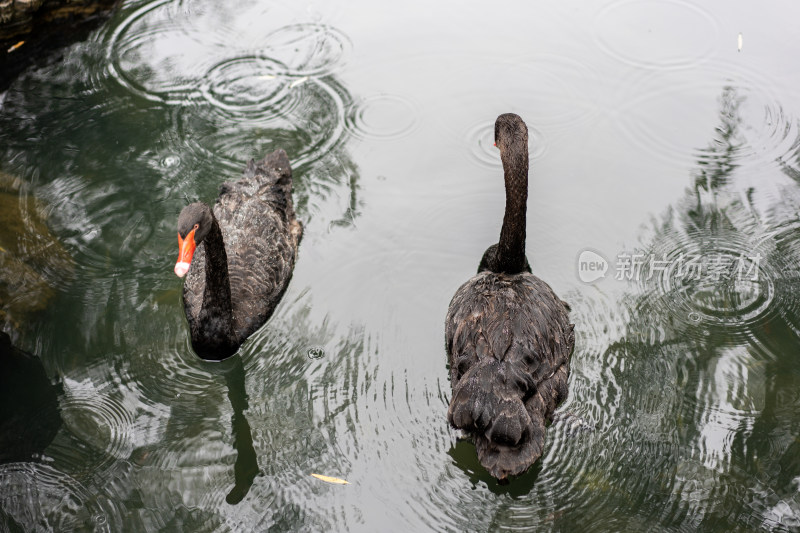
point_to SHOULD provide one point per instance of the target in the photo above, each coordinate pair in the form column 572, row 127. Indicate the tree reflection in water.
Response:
column 706, row 367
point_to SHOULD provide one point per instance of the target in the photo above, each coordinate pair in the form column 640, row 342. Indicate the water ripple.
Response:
column 381, row 116
column 166, row 52
column 656, row 33
column 480, row 139
column 308, row 124
column 248, row 85
column 112, row 418
column 142, row 54
column 38, row 497
column 714, row 281
column 545, row 89
column 760, row 131
column 309, row 49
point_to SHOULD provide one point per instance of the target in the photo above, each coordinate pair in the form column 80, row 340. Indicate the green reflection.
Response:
column 701, row 390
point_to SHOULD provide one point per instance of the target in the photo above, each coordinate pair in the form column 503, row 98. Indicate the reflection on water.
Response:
column 697, row 372
column 29, row 413
column 648, row 126
column 31, row 32
column 33, row 264
column 245, row 468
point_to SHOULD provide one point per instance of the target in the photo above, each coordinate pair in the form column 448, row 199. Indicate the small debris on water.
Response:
column 740, row 41
column 298, row 81
column 15, row 46
column 328, row 479
column 316, row 352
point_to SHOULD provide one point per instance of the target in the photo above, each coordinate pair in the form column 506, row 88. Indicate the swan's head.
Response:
column 194, row 223
column 510, row 130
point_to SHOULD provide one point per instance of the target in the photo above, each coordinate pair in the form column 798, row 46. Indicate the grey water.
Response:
column 664, row 206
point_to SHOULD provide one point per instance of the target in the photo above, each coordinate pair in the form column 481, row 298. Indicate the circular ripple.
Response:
column 100, row 421
column 40, row 498
column 247, row 85
column 751, row 125
column 308, row 49
column 307, row 123
column 381, row 117
column 546, row 90
column 656, row 33
column 480, row 139
column 162, row 51
column 142, row 55
column 713, row 281
column 176, row 375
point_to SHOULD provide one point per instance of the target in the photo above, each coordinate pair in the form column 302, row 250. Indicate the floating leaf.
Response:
column 328, row 479
column 15, row 46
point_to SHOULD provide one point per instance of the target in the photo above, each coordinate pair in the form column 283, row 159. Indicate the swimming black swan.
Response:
column 507, row 334
column 246, row 249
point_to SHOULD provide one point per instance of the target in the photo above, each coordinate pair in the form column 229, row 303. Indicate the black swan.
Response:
column 508, row 335
column 245, row 253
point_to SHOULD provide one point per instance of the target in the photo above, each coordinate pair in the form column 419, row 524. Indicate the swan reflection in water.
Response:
column 245, row 469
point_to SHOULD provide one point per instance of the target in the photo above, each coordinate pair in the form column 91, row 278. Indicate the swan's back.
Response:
column 509, row 341
column 261, row 234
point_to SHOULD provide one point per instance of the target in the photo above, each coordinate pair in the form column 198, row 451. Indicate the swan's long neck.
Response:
column 213, row 337
column 511, row 248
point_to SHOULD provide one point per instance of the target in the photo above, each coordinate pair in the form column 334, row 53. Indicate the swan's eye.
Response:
column 196, row 226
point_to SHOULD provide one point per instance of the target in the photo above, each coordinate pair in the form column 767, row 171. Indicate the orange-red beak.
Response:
column 186, row 251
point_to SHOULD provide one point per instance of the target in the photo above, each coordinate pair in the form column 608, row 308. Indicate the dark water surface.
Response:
column 659, row 149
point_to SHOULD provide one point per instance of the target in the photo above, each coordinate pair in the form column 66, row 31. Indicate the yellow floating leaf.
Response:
column 15, row 46
column 328, row 479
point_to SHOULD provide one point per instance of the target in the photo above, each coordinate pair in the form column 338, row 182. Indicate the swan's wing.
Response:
column 261, row 234
column 509, row 341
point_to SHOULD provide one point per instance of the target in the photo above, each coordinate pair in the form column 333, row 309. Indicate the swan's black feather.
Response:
column 509, row 340
column 508, row 336
column 261, row 235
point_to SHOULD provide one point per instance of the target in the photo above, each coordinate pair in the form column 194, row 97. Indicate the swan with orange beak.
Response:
column 238, row 258
column 186, row 247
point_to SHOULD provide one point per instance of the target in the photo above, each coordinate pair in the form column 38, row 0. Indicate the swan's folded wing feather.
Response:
column 261, row 234
column 509, row 341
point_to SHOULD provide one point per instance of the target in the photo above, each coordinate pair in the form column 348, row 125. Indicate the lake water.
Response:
column 665, row 152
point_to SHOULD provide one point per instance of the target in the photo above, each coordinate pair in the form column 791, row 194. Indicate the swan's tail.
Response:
column 271, row 179
column 506, row 413
column 274, row 169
